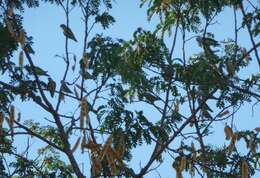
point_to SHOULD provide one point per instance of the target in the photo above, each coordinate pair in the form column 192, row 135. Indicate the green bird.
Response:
column 68, row 33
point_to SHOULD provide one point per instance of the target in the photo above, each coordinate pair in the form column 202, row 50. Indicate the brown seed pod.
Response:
column 21, row 59
column 228, row 132
column 83, row 111
column 182, row 163
column 1, row 119
column 21, row 38
column 224, row 113
column 75, row 145
column 244, row 169
column 83, row 143
column 85, row 60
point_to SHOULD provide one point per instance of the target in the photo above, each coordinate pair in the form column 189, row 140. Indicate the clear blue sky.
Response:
column 43, row 24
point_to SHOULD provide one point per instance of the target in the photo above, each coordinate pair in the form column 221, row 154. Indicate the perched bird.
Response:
column 68, row 33
column 51, row 86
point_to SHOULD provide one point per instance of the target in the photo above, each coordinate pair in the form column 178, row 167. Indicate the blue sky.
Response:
column 43, row 24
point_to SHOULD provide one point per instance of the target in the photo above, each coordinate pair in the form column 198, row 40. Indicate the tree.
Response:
column 113, row 82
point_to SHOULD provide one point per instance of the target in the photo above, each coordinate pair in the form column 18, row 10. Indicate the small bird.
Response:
column 68, row 33
column 51, row 86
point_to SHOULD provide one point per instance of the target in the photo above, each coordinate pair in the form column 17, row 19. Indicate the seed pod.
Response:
column 83, row 111
column 1, row 125
column 10, row 29
column 106, row 147
column 83, row 143
column 232, row 143
column 224, row 113
column 21, row 38
column 193, row 150
column 21, row 59
column 75, row 145
column 1, row 119
column 244, row 169
column 182, row 163
column 85, row 60
column 228, row 132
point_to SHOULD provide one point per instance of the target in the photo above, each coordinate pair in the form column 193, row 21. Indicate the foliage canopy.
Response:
column 100, row 102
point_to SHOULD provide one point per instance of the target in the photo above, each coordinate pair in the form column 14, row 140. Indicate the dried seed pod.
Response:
column 1, row 125
column 228, row 132
column 21, row 38
column 62, row 96
column 83, row 143
column 83, row 111
column 106, row 147
column 91, row 145
column 21, row 59
column 224, row 113
column 244, row 169
column 1, row 119
column 85, row 60
column 232, row 143
column 182, row 163
column 10, row 29
column 178, row 173
column 193, row 150
column 75, row 145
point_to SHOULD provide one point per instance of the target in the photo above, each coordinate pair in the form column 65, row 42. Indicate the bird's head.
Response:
column 63, row 26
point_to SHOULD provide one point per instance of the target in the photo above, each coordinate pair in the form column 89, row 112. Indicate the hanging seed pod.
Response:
column 192, row 121
column 83, row 143
column 253, row 149
column 232, row 143
column 62, row 96
column 10, row 29
column 228, row 132
column 21, row 59
column 1, row 119
column 244, row 169
column 21, row 38
column 10, row 10
column 178, row 173
column 75, row 145
column 106, row 147
column 11, row 120
column 85, row 60
column 83, row 111
column 1, row 126
column 91, row 145
column 224, row 113
column 193, row 150
column 182, row 163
